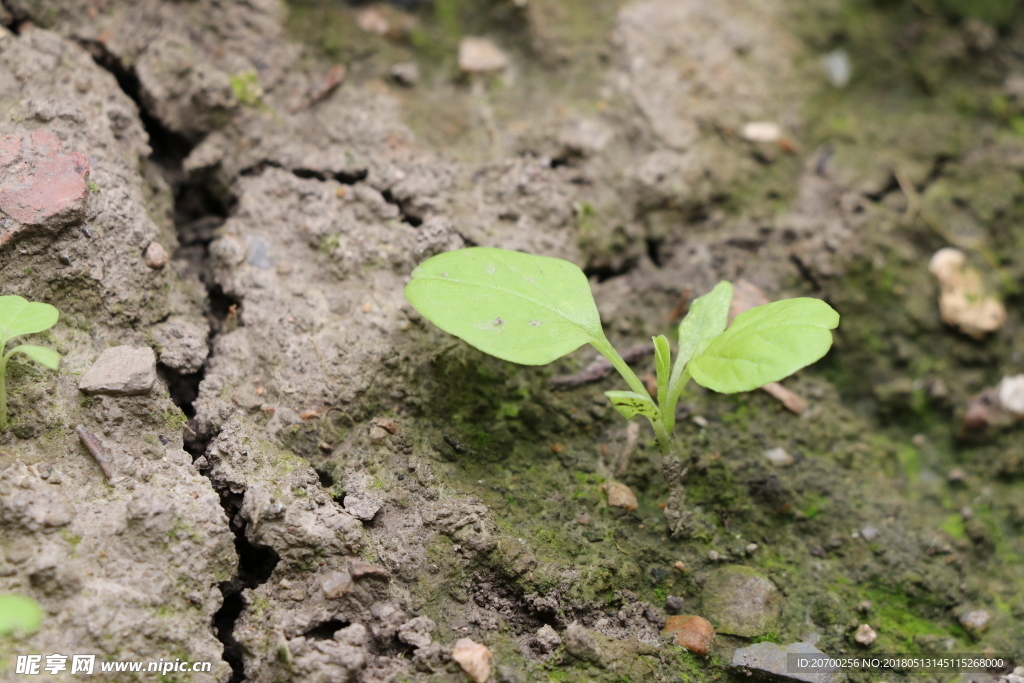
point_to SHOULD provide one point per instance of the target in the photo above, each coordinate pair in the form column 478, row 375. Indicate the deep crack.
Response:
column 198, row 213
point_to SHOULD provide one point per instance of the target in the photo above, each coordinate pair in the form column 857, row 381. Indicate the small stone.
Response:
column 975, row 620
column 956, row 476
column 362, row 507
column 865, row 635
column 360, row 569
column 406, row 73
column 680, row 565
column 692, row 632
column 1011, row 394
column 474, row 658
column 477, row 55
column 713, row 556
column 864, row 606
column 547, row 639
column 388, row 425
column 673, row 604
column 751, row 548
column 772, row 662
column 779, row 457
column 869, row 533
column 700, row 420
column 762, row 131
column 581, row 644
column 583, row 518
column 336, row 584
column 837, row 67
column 739, row 601
column 793, row 401
column 620, row 496
column 355, row 635
column 416, row 632
column 42, row 187
column 378, row 434
column 183, row 343
column 155, row 256
column 963, row 300
column 373, row 20
column 121, row 371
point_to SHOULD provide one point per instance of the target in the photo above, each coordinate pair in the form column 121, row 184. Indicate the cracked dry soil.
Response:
column 319, row 486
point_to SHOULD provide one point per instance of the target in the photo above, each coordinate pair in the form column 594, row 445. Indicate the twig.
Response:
column 96, row 449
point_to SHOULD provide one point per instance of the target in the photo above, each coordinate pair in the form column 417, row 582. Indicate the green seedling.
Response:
column 19, row 614
column 534, row 309
column 18, row 317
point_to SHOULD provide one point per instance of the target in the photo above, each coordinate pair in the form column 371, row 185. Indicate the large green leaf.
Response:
column 40, row 354
column 18, row 317
column 764, row 345
column 522, row 308
column 19, row 613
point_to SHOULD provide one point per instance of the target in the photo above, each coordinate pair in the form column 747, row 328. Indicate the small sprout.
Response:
column 19, row 317
column 19, row 614
column 497, row 301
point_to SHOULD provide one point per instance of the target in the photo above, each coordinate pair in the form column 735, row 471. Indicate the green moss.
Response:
column 246, row 88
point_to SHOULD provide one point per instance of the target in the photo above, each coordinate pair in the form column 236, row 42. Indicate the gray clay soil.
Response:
column 321, row 486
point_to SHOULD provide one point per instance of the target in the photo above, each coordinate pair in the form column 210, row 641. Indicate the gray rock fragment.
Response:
column 121, row 371
column 362, row 507
column 768, row 661
column 416, row 632
column 182, row 343
column 582, row 644
column 741, row 602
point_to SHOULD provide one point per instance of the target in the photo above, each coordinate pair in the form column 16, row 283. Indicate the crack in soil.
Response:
column 198, row 212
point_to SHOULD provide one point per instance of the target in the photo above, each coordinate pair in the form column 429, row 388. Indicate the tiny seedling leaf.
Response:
column 40, row 354
column 18, row 317
column 707, row 318
column 765, row 344
column 519, row 307
column 19, row 614
column 629, row 403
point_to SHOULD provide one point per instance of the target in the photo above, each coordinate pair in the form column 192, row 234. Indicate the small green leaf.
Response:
column 663, row 366
column 18, row 317
column 40, row 354
column 519, row 307
column 19, row 613
column 629, row 403
column 707, row 318
column 764, row 345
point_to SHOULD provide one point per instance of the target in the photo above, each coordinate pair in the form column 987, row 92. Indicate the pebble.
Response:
column 963, row 301
column 372, row 20
column 762, row 131
column 869, row 533
column 155, row 256
column 406, row 73
column 692, row 632
column 771, row 660
column 478, row 55
column 474, row 658
column 547, row 639
column 865, row 635
column 620, row 496
column 779, row 457
column 41, row 185
column 956, row 476
column 1011, row 394
column 121, row 371
column 582, row 644
column 583, row 518
column 673, row 604
column 739, row 601
column 336, row 584
column 751, row 548
column 837, row 67
column 864, row 606
column 362, row 507
column 416, row 632
column 975, row 620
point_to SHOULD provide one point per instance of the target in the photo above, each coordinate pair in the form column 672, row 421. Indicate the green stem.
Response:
column 3, row 393
column 605, row 348
column 668, row 411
